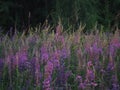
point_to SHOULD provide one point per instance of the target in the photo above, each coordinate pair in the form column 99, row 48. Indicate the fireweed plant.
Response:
column 60, row 61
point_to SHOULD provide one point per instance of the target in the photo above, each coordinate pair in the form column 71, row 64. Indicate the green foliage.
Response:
column 102, row 12
column 24, row 14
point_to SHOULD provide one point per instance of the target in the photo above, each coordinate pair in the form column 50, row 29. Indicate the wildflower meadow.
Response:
column 48, row 60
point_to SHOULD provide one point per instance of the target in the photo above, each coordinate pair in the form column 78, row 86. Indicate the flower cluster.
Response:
column 48, row 75
column 45, row 61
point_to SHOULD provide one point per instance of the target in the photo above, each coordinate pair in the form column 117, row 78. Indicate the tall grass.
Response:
column 60, row 61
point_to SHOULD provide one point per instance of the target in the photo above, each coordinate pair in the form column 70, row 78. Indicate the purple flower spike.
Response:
column 94, row 51
column 115, row 42
column 44, row 54
column 20, row 59
column 59, row 29
column 55, row 59
column 48, row 73
column 89, row 64
column 46, row 84
column 48, row 69
column 45, row 57
column 90, row 75
column 82, row 86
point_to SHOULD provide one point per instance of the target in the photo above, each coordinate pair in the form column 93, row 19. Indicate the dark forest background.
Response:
column 22, row 14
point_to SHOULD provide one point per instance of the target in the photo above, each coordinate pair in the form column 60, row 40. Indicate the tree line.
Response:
column 21, row 14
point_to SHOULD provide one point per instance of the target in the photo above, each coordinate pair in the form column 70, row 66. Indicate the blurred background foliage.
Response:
column 22, row 14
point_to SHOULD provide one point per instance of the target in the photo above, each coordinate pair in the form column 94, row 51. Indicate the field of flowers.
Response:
column 60, row 61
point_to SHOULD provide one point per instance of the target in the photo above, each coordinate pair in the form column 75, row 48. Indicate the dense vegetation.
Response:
column 22, row 14
column 60, row 61
column 59, row 45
